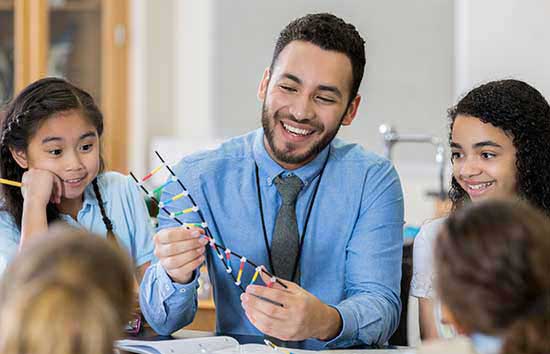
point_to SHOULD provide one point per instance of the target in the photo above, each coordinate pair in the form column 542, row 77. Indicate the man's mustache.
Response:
column 292, row 118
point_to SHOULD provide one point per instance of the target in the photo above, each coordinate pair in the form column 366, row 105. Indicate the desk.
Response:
column 185, row 333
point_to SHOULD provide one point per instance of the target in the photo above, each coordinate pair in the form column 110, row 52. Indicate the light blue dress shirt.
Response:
column 124, row 205
column 351, row 255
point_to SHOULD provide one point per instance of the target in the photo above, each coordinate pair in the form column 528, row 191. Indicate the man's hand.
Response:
column 302, row 315
column 180, row 251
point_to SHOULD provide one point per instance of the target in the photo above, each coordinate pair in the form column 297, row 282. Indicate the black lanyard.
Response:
column 310, row 207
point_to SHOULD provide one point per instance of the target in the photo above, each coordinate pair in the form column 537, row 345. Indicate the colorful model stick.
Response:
column 195, row 209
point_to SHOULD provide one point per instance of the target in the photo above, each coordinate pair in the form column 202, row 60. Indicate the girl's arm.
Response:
column 428, row 327
column 39, row 188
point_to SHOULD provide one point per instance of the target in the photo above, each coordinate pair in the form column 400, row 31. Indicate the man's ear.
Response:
column 352, row 110
column 20, row 156
column 264, row 83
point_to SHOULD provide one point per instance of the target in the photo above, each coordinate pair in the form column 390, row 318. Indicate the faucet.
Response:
column 391, row 137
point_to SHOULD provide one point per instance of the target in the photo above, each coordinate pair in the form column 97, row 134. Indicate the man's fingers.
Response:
column 268, row 325
column 254, row 304
column 186, row 262
column 175, row 234
column 175, row 248
column 276, row 281
column 184, row 273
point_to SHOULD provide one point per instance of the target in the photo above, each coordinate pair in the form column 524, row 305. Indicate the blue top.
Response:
column 125, row 207
column 351, row 256
column 485, row 344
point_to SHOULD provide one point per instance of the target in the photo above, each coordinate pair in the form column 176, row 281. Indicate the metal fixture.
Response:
column 391, row 137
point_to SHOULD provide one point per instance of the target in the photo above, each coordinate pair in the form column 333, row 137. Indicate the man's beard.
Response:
column 287, row 156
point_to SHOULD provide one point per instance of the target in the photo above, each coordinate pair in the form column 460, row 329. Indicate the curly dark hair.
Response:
column 328, row 32
column 524, row 114
column 492, row 261
column 37, row 102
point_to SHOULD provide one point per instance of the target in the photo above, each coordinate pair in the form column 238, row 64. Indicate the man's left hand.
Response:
column 301, row 316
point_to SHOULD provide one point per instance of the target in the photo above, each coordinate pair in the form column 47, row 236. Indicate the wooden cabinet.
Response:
column 205, row 318
column 7, row 35
column 85, row 41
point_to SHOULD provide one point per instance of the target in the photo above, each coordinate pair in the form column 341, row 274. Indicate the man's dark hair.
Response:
column 329, row 33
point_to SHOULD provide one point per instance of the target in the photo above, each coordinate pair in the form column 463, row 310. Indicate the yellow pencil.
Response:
column 11, row 183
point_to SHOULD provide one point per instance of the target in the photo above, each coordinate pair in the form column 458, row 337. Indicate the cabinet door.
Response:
column 7, row 25
column 88, row 46
column 84, row 41
column 74, row 50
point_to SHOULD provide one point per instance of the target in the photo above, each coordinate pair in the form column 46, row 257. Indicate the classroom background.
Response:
column 178, row 76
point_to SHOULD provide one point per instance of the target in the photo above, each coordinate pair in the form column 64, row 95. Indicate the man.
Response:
column 325, row 215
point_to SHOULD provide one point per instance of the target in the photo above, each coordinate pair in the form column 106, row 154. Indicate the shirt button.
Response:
column 167, row 287
column 182, row 290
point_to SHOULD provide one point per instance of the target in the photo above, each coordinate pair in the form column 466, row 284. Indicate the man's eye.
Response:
column 55, row 152
column 325, row 99
column 287, row 88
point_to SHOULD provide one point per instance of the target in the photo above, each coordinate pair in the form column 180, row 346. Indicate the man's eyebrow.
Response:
column 332, row 89
column 292, row 77
column 328, row 88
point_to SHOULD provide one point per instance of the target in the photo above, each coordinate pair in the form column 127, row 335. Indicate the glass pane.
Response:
column 75, row 43
column 6, row 50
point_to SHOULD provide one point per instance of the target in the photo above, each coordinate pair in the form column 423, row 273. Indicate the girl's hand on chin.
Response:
column 42, row 186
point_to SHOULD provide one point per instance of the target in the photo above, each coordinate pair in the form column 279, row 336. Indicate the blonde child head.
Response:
column 69, row 292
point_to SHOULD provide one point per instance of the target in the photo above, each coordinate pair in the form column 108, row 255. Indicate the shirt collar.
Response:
column 90, row 197
column 306, row 173
column 485, row 344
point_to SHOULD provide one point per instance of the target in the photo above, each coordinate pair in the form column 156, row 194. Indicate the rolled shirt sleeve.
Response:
column 167, row 305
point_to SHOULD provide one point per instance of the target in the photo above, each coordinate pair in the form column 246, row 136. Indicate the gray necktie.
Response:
column 286, row 239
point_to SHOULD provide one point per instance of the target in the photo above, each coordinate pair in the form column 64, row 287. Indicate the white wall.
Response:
column 201, row 60
column 408, row 79
column 152, row 66
column 503, row 39
column 223, row 47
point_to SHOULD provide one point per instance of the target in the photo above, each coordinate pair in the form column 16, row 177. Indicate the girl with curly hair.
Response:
column 492, row 261
column 500, row 148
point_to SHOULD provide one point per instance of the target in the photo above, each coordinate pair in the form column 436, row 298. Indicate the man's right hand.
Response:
column 180, row 251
